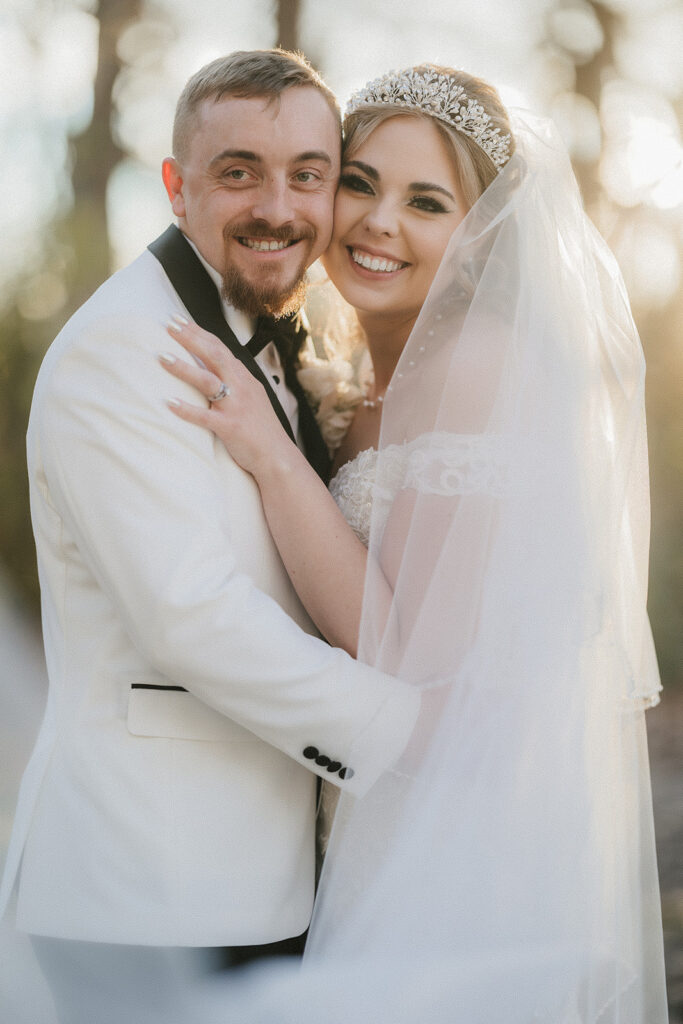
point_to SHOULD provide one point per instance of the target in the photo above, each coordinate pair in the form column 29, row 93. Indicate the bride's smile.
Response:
column 375, row 262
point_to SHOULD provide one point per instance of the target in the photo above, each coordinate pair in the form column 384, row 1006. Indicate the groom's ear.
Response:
column 171, row 173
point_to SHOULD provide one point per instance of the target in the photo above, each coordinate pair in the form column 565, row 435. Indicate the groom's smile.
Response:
column 255, row 192
column 269, row 245
column 264, row 244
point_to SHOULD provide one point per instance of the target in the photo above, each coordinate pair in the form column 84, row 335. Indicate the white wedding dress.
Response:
column 351, row 487
column 440, row 463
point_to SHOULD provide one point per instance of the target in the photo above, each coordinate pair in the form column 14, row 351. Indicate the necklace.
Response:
column 373, row 403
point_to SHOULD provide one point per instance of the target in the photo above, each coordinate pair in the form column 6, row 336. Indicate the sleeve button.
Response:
column 311, row 752
column 346, row 773
column 334, row 766
column 322, row 760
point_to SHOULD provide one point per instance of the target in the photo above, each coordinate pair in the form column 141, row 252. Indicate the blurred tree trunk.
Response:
column 287, row 14
column 96, row 154
column 82, row 256
column 590, row 78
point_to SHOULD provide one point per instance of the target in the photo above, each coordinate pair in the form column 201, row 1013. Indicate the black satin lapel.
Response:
column 316, row 449
column 198, row 294
column 290, row 335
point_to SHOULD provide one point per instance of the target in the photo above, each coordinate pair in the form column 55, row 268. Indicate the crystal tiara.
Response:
column 439, row 96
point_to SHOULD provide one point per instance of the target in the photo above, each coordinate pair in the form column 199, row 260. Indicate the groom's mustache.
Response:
column 260, row 229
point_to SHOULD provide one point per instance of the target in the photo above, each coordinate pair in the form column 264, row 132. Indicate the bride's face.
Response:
column 398, row 204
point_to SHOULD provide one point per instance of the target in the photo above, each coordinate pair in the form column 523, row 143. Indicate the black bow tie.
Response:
column 287, row 334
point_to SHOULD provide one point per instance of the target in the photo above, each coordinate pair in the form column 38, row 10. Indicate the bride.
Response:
column 484, row 537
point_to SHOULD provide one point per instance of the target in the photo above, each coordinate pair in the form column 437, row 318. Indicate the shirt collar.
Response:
column 242, row 325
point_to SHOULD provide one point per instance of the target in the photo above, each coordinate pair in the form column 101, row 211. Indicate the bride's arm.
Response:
column 323, row 557
column 325, row 560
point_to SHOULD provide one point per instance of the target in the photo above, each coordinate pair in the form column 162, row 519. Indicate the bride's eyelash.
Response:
column 355, row 183
column 428, row 204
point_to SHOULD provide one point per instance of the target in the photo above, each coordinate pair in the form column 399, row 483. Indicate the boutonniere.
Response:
column 335, row 387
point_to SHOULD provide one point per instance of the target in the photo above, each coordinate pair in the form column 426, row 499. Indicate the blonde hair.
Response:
column 475, row 168
column 244, row 74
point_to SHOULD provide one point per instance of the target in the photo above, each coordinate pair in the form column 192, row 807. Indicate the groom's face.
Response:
column 255, row 192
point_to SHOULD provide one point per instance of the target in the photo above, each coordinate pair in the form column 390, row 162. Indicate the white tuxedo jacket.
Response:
column 171, row 795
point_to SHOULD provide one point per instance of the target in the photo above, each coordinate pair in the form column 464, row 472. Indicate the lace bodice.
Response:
column 439, row 463
column 351, row 488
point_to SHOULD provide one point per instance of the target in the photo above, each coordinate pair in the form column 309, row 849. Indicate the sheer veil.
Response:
column 504, row 869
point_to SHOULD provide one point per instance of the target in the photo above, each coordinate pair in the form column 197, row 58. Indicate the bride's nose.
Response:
column 382, row 218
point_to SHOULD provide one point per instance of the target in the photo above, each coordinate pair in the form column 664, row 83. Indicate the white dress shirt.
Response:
column 243, row 327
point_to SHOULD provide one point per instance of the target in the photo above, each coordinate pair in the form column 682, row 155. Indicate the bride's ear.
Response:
column 172, row 176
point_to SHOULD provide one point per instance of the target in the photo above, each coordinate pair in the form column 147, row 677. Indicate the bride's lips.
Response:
column 374, row 265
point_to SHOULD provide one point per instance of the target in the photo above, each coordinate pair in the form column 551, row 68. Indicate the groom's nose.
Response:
column 274, row 203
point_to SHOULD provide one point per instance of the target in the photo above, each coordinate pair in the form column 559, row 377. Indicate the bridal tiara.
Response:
column 439, row 96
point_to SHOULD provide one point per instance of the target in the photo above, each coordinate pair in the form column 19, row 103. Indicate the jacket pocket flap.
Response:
column 177, row 714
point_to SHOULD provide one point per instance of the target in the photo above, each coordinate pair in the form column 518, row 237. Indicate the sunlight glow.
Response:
column 654, row 159
column 42, row 296
column 65, row 71
column 579, row 125
column 649, row 257
column 647, row 166
column 643, row 158
column 578, row 30
column 137, row 208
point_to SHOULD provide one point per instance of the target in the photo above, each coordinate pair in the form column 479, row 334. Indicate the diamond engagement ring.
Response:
column 222, row 392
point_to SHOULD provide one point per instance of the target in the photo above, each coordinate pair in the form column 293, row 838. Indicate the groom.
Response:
column 170, row 800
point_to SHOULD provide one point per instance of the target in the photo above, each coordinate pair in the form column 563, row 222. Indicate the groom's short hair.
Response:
column 244, row 74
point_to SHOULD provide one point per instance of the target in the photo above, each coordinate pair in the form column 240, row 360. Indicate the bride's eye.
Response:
column 428, row 204
column 355, row 183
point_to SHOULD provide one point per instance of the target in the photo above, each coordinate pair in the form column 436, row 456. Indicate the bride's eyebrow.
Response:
column 428, row 186
column 366, row 168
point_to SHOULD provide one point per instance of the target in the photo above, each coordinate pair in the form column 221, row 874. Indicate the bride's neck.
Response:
column 386, row 338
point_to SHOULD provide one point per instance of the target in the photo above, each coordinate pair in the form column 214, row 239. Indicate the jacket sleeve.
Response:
column 139, row 492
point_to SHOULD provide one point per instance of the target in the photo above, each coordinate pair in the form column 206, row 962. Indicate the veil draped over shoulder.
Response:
column 504, row 870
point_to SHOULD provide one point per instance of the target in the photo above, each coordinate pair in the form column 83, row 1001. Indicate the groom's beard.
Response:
column 279, row 297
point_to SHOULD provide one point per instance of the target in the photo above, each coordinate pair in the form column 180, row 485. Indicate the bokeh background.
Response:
column 87, row 93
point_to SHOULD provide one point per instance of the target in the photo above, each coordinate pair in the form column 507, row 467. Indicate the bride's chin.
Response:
column 331, row 267
column 351, row 289
column 350, row 292
column 340, row 278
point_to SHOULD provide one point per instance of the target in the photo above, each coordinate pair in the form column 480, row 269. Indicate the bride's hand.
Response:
column 243, row 419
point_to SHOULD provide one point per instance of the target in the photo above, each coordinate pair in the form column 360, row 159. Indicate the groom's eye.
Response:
column 305, row 177
column 355, row 183
column 236, row 174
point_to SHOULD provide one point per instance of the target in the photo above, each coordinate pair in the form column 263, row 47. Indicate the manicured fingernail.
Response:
column 179, row 318
column 166, row 357
column 173, row 403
